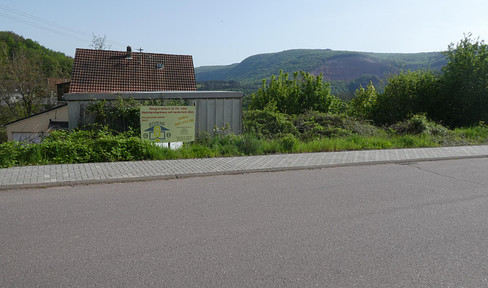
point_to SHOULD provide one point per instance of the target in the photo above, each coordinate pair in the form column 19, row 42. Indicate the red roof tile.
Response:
column 110, row 71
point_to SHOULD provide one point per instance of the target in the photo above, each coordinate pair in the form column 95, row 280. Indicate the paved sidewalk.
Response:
column 72, row 174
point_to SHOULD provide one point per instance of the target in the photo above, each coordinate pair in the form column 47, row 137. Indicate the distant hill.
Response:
column 55, row 64
column 345, row 69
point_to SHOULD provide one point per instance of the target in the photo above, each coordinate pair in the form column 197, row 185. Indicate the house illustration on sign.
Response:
column 145, row 77
column 156, row 133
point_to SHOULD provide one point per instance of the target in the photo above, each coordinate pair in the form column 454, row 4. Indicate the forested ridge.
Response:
column 449, row 87
column 345, row 70
column 54, row 64
column 290, row 112
column 26, row 68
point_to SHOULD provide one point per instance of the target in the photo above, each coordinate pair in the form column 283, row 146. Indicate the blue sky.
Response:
column 218, row 32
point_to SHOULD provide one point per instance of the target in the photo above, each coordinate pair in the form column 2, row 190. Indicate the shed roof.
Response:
column 37, row 114
column 112, row 71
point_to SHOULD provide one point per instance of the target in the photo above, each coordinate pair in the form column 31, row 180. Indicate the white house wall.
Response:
column 35, row 126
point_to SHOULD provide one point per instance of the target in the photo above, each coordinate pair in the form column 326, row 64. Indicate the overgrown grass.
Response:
column 102, row 145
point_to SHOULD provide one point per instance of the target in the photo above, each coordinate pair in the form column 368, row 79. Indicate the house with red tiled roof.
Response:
column 110, row 75
column 124, row 71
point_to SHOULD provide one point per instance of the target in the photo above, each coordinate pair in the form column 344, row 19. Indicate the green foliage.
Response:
column 25, row 67
column 228, row 144
column 294, row 96
column 54, row 64
column 464, row 97
column 249, row 144
column 469, row 135
column 106, row 145
column 419, row 124
column 289, row 143
column 219, row 85
column 457, row 97
column 267, row 123
column 347, row 64
column 9, row 153
column 63, row 147
column 406, row 94
column 363, row 102
column 3, row 135
column 315, row 125
column 121, row 115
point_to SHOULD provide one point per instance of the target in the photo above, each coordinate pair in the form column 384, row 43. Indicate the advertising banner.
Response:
column 163, row 124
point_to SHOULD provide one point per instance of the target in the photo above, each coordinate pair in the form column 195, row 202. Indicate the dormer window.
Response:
column 159, row 66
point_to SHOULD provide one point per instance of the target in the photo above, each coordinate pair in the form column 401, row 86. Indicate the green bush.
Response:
column 470, row 135
column 463, row 97
column 406, row 93
column 328, row 132
column 63, row 147
column 419, row 124
column 295, row 96
column 121, row 115
column 249, row 144
column 289, row 143
column 314, row 125
column 361, row 105
column 267, row 123
column 9, row 153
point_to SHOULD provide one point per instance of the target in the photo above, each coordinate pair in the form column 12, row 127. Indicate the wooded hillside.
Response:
column 54, row 64
column 345, row 70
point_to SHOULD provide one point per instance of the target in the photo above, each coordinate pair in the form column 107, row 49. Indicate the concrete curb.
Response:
column 229, row 172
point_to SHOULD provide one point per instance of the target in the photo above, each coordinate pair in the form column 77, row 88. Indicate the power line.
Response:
column 46, row 25
column 40, row 26
column 44, row 21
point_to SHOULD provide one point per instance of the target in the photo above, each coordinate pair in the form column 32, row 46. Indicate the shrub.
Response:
column 267, row 123
column 249, row 144
column 471, row 135
column 463, row 100
column 9, row 153
column 405, row 94
column 314, row 125
column 363, row 102
column 123, row 114
column 295, row 96
column 419, row 124
column 289, row 143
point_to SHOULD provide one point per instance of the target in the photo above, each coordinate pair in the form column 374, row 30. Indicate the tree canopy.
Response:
column 25, row 67
column 54, row 64
column 294, row 96
column 458, row 96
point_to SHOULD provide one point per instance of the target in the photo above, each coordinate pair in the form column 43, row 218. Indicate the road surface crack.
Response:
column 413, row 165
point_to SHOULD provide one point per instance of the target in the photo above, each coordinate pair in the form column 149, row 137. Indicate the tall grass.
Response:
column 62, row 147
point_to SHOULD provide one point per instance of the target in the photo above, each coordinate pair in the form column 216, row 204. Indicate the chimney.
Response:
column 128, row 56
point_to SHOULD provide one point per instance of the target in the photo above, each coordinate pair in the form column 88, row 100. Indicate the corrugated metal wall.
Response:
column 213, row 108
column 218, row 112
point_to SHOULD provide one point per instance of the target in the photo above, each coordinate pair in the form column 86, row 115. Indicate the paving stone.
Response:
column 30, row 176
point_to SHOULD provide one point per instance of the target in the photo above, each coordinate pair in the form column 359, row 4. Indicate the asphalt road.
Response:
column 413, row 225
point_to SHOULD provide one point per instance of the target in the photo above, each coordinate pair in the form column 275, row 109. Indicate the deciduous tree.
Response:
column 406, row 94
column 23, row 84
column 363, row 102
column 294, row 96
column 465, row 83
column 100, row 42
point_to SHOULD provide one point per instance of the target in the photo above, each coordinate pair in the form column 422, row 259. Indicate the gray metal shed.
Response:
column 213, row 108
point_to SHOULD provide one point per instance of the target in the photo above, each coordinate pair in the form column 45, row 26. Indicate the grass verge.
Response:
column 62, row 147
